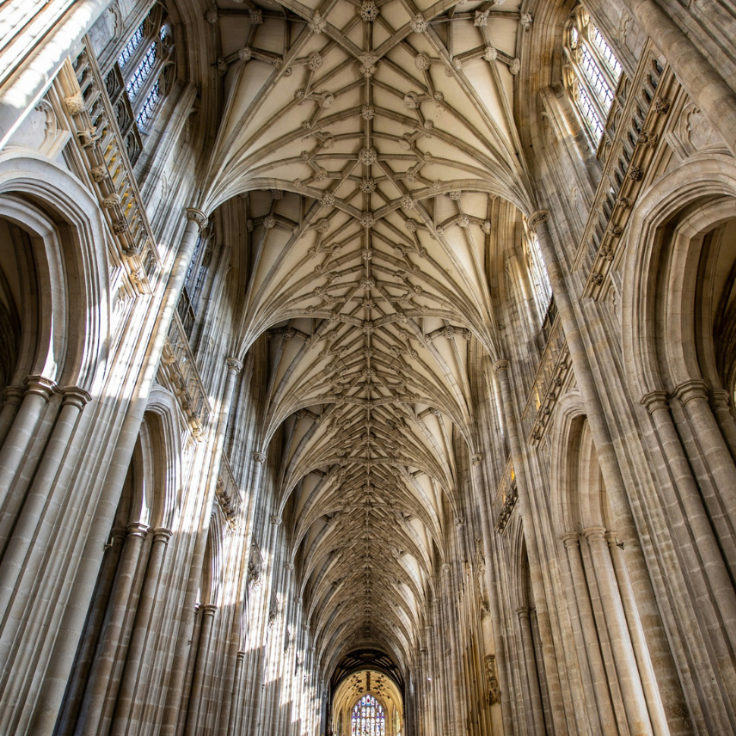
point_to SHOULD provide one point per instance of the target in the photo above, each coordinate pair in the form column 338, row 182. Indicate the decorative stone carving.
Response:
column 75, row 104
column 422, row 62
column 318, row 23
column 368, row 156
column 418, row 24
column 368, row 64
column 494, row 689
column 369, row 11
column 411, row 100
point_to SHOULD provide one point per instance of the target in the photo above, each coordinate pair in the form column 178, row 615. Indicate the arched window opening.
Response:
column 194, row 282
column 369, row 718
column 540, row 282
column 592, row 72
column 139, row 81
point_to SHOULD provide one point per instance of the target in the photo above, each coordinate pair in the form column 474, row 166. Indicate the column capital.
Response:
column 234, row 365
column 209, row 609
column 695, row 388
column 523, row 612
column 595, row 532
column 537, row 218
column 570, row 539
column 259, row 457
column 654, row 401
column 13, row 395
column 196, row 215
column 501, row 365
column 275, row 520
column 161, row 534
column 75, row 396
column 720, row 399
column 41, row 386
column 137, row 529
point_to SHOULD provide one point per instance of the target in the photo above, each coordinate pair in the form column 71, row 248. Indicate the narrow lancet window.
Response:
column 592, row 72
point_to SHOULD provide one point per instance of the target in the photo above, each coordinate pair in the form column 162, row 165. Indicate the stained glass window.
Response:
column 369, row 718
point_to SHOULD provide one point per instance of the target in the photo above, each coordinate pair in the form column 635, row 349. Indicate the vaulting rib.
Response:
column 365, row 153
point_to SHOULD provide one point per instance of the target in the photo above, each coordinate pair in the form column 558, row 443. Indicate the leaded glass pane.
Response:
column 149, row 105
column 597, row 79
column 588, row 109
column 369, row 718
column 143, row 70
column 606, row 52
column 131, row 46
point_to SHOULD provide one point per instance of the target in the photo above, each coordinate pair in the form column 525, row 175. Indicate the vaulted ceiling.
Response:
column 371, row 144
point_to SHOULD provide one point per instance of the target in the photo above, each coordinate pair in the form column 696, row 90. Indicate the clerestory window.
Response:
column 592, row 72
column 139, row 81
column 369, row 718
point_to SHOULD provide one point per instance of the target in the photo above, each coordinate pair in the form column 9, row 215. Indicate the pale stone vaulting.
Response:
column 368, row 367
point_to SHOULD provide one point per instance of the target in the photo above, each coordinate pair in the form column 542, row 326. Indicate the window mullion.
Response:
column 604, row 67
column 147, row 86
column 592, row 96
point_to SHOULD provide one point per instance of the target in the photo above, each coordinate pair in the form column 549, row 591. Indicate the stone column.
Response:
column 37, row 511
column 60, row 663
column 501, row 367
column 638, row 640
column 91, row 635
column 701, row 81
column 581, row 365
column 623, row 653
column 532, row 675
column 200, row 669
column 11, row 401
column 99, row 677
column 232, row 721
column 694, row 397
column 686, row 508
column 720, row 401
column 179, row 665
column 137, row 647
column 37, row 392
column 592, row 652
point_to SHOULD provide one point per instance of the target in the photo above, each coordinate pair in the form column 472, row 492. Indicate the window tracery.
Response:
column 537, row 273
column 369, row 718
column 592, row 72
column 140, row 79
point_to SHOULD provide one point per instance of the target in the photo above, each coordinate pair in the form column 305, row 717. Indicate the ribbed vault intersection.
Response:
column 369, row 141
